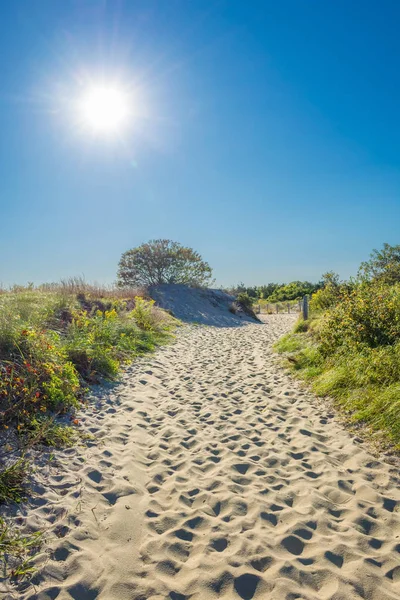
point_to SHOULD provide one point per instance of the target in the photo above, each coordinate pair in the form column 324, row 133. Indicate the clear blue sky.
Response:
column 267, row 135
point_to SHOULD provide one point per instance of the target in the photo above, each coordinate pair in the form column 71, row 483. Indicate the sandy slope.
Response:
column 215, row 476
column 200, row 305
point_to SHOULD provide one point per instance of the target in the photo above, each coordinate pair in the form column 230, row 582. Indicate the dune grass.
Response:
column 17, row 551
column 52, row 344
column 55, row 341
column 12, row 482
column 351, row 353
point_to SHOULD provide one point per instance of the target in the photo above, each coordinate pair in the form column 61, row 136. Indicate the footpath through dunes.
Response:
column 214, row 475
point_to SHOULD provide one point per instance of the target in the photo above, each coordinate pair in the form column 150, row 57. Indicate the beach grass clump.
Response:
column 45, row 430
column 351, row 353
column 17, row 551
column 12, row 482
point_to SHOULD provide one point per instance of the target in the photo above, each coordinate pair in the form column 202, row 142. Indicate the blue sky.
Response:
column 267, row 135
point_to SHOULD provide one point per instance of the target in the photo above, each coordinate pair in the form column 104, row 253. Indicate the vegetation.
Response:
column 383, row 265
column 350, row 348
column 162, row 261
column 54, row 341
column 52, row 344
column 17, row 551
column 12, row 482
column 292, row 291
column 277, row 292
column 244, row 300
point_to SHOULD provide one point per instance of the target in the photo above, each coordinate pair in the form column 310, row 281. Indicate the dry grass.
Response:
column 78, row 285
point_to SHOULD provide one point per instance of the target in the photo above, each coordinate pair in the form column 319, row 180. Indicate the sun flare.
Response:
column 104, row 110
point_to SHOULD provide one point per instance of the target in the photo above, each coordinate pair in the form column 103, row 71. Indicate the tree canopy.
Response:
column 277, row 292
column 383, row 265
column 162, row 261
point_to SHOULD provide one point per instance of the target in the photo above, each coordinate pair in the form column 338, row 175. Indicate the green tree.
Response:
column 264, row 291
column 330, row 278
column 162, row 261
column 383, row 265
column 292, row 291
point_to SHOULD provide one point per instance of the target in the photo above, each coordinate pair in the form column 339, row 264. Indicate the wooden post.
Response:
column 288, row 307
column 277, row 308
column 305, row 308
column 299, row 305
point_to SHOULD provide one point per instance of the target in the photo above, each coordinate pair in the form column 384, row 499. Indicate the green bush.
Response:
column 244, row 299
column 292, row 291
column 352, row 353
column 368, row 316
column 324, row 298
column 144, row 315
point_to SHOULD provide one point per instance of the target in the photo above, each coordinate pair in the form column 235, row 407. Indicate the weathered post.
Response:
column 277, row 308
column 288, row 307
column 299, row 302
column 305, row 308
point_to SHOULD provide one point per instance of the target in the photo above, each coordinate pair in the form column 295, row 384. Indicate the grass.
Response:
column 12, row 482
column 46, row 431
column 55, row 341
column 17, row 551
column 351, row 353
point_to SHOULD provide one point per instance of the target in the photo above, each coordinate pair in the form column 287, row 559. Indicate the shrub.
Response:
column 352, row 353
column 383, row 265
column 368, row 316
column 144, row 315
column 244, row 299
column 324, row 298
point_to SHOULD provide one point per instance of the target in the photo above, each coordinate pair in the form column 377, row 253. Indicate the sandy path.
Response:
column 215, row 476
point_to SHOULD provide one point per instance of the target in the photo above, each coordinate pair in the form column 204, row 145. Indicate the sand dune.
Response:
column 214, row 475
column 203, row 306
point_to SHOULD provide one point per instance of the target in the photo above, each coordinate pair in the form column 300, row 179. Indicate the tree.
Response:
column 292, row 291
column 383, row 266
column 330, row 278
column 162, row 261
column 265, row 291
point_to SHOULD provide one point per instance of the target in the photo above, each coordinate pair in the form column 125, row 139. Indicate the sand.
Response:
column 213, row 474
column 199, row 305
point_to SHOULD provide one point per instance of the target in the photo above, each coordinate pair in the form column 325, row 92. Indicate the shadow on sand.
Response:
column 201, row 306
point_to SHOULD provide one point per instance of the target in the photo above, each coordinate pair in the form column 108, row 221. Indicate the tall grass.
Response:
column 78, row 285
column 52, row 343
column 351, row 352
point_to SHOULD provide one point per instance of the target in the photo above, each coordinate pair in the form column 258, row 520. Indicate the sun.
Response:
column 104, row 109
